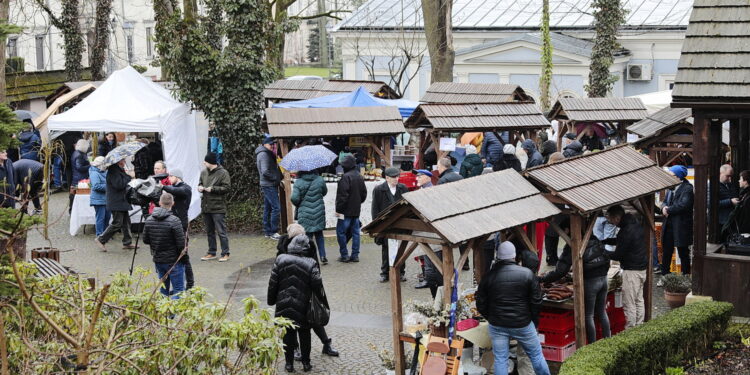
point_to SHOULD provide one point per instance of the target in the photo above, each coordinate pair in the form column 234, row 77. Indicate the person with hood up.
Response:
column 472, row 164
column 308, row 193
column 575, row 148
column 535, row 158
column 107, row 144
column 215, row 184
column 678, row 222
column 509, row 160
column 29, row 175
column 548, row 148
column 98, row 198
column 350, row 195
column 30, row 143
column 492, row 148
column 270, row 177
column 294, row 278
column 117, row 204
column 163, row 233
column 447, row 174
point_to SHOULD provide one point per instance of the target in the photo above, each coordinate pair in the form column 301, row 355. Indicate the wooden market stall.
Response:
column 437, row 120
column 446, row 216
column 611, row 113
column 712, row 79
column 467, row 93
column 666, row 135
column 291, row 90
column 372, row 125
column 590, row 183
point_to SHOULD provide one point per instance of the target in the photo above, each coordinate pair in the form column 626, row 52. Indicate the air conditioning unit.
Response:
column 639, row 72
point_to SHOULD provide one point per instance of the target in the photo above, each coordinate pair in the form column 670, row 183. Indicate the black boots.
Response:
column 289, row 367
column 329, row 350
column 306, row 366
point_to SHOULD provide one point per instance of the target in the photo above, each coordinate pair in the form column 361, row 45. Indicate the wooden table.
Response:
column 48, row 267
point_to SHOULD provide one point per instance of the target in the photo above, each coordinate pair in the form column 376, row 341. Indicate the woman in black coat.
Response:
column 678, row 222
column 294, row 277
column 739, row 218
column 107, row 144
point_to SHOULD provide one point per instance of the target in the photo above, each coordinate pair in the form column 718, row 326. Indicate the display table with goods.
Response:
column 82, row 213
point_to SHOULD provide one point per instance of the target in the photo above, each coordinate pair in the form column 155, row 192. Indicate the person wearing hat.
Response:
column 678, row 222
column 424, row 178
column 350, row 194
column 182, row 194
column 510, row 298
column 509, row 160
column 383, row 196
column 215, row 184
column 270, row 177
column 98, row 197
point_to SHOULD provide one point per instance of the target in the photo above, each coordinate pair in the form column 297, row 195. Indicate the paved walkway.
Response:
column 360, row 304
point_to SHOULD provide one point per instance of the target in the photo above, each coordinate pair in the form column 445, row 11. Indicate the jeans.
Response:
column 290, row 342
column 57, row 170
column 632, row 297
column 320, row 242
column 102, row 218
column 176, row 278
column 215, row 223
column 529, row 341
column 655, row 252
column 271, row 207
column 385, row 263
column 348, row 226
column 120, row 223
column 595, row 292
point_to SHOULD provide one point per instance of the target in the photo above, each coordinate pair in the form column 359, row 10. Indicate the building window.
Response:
column 148, row 42
column 130, row 48
column 39, row 42
column 666, row 81
column 13, row 47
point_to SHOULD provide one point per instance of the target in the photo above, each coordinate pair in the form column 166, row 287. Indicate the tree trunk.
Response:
column 546, row 77
column 101, row 39
column 4, row 10
column 438, row 28
column 323, row 35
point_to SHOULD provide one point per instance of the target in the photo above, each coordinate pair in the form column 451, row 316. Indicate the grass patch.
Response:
column 306, row 71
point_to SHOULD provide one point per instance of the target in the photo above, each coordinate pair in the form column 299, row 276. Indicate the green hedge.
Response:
column 665, row 341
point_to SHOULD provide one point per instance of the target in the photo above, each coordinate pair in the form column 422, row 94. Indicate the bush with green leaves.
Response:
column 128, row 327
column 676, row 283
column 650, row 348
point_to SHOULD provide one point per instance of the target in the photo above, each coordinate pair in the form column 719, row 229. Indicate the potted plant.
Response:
column 388, row 359
column 676, row 288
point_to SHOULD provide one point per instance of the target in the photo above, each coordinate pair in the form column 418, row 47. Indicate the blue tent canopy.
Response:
column 357, row 98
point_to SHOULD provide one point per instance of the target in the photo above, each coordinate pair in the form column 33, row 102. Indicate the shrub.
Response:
column 650, row 348
column 674, row 283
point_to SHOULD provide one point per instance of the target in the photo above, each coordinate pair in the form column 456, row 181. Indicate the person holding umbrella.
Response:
column 117, row 202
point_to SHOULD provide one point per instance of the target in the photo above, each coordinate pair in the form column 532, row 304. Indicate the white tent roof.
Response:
column 129, row 102
column 656, row 101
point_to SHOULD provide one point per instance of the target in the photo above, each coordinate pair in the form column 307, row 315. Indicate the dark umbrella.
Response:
column 24, row 115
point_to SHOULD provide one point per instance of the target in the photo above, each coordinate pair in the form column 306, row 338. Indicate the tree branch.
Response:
column 329, row 14
column 53, row 19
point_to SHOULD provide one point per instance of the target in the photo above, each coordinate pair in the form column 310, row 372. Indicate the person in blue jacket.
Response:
column 98, row 180
column 30, row 143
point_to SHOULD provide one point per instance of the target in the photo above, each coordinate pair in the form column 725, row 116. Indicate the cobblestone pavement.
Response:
column 360, row 304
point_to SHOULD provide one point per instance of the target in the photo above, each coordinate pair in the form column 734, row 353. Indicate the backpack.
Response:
column 594, row 256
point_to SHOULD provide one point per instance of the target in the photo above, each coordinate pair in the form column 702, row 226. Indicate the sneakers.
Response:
column 383, row 279
column 224, row 258
column 343, row 259
column 129, row 247
column 403, row 278
column 421, row 285
column 660, row 283
column 324, row 260
column 209, row 257
column 354, row 259
column 274, row 236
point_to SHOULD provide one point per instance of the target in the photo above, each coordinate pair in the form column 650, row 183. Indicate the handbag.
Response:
column 318, row 314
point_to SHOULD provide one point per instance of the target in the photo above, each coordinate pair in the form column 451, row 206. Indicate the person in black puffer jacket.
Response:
column 510, row 298
column 575, row 148
column 294, row 278
column 163, row 233
column 595, row 268
column 183, row 194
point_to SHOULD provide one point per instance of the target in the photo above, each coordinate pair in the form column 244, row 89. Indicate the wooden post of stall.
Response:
column 647, row 204
column 387, row 150
column 700, row 163
column 398, row 324
column 576, row 226
column 447, row 273
column 287, row 213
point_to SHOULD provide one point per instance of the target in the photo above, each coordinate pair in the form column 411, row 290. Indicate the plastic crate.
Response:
column 558, row 354
column 613, row 329
column 556, row 320
column 616, row 316
column 557, row 338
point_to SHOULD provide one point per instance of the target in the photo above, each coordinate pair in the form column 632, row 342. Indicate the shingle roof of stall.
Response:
column 330, row 122
column 457, row 117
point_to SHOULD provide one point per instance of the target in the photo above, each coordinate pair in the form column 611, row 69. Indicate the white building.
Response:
column 497, row 41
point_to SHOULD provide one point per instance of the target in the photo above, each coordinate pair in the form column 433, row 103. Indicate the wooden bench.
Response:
column 47, row 267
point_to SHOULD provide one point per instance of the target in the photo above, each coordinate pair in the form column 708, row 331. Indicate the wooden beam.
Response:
column 677, row 138
column 555, row 199
column 386, row 141
column 560, row 232
column 465, row 256
column 448, row 267
column 411, row 224
column 401, row 259
column 579, row 310
column 396, row 320
column 671, row 149
column 375, row 148
column 392, row 217
column 412, row 238
column 433, row 257
column 714, row 163
column 700, row 163
column 524, row 238
column 587, row 234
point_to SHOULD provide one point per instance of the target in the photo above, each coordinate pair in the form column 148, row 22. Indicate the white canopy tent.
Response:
column 655, row 101
column 129, row 102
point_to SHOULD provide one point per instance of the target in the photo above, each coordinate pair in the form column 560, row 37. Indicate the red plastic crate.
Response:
column 558, row 354
column 613, row 329
column 616, row 316
column 554, row 338
column 556, row 320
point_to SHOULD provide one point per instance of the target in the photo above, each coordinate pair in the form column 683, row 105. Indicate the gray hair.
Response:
column 166, row 200
column 163, row 164
column 82, row 145
column 294, row 230
column 725, row 168
column 445, row 162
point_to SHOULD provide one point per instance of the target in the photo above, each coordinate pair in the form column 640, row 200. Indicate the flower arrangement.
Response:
column 440, row 317
column 388, row 359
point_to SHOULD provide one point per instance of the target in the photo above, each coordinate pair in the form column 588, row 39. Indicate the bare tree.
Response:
column 438, row 29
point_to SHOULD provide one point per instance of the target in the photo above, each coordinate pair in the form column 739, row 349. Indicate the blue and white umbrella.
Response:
column 308, row 158
column 121, row 152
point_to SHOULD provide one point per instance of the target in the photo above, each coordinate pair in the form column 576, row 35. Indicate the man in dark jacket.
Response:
column 472, row 164
column 678, row 222
column 270, row 177
column 117, row 204
column 447, row 174
column 492, row 148
column 728, row 194
column 350, row 195
column 214, row 185
column 163, row 233
column 549, row 147
column 535, row 158
column 575, row 148
column 632, row 252
column 509, row 160
column 510, row 298
column 182, row 194
column 383, row 196
column 30, row 179
column 30, row 143
column 7, row 181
